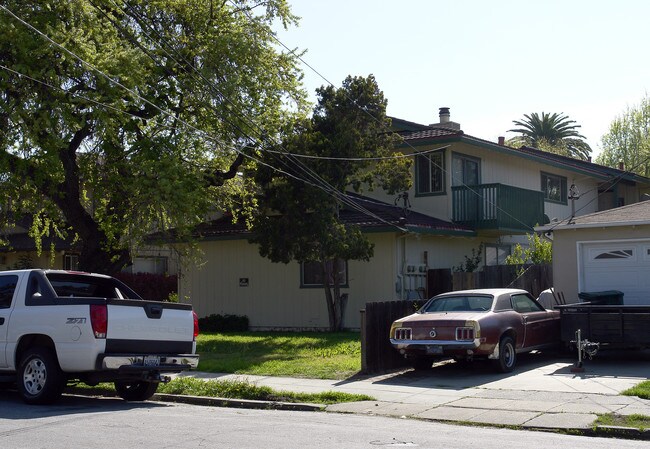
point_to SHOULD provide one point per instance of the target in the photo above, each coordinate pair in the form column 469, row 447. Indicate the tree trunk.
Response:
column 335, row 301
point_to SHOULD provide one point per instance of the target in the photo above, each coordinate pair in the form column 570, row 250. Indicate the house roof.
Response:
column 18, row 239
column 418, row 135
column 21, row 241
column 630, row 215
column 369, row 214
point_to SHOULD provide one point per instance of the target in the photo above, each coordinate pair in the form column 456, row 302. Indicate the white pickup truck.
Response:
column 58, row 327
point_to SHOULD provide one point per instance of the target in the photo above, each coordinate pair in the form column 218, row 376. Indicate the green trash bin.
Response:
column 604, row 298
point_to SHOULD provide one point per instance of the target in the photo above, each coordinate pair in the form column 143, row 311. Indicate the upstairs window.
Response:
column 429, row 174
column 554, row 188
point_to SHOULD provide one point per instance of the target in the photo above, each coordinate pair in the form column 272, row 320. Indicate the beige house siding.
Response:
column 45, row 260
column 273, row 297
column 565, row 251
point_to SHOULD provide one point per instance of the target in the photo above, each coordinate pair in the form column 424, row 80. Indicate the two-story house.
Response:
column 468, row 193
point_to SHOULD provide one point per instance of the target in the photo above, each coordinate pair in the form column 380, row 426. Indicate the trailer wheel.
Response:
column 136, row 391
column 39, row 377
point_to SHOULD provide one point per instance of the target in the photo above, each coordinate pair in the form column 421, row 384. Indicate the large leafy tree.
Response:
column 551, row 132
column 628, row 140
column 121, row 117
column 300, row 197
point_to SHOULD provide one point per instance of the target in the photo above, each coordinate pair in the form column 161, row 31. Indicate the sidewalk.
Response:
column 540, row 394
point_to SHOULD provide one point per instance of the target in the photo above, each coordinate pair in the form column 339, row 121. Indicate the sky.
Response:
column 489, row 61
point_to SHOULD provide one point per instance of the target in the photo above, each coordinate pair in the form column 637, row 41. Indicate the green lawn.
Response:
column 641, row 390
column 319, row 355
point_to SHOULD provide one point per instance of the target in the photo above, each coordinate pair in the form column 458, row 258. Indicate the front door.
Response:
column 466, row 172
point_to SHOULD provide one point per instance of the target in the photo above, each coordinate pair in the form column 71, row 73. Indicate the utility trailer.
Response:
column 610, row 326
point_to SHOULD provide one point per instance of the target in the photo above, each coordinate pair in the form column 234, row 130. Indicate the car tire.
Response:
column 507, row 355
column 136, row 391
column 421, row 363
column 39, row 378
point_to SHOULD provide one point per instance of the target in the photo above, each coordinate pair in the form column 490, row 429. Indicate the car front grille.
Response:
column 403, row 333
column 464, row 333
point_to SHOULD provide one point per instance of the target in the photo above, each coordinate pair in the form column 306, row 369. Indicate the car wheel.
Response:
column 421, row 363
column 39, row 377
column 507, row 355
column 136, row 391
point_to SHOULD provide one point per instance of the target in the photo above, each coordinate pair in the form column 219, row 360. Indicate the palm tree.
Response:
column 551, row 132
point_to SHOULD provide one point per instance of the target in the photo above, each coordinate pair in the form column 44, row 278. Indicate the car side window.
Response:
column 524, row 304
column 7, row 289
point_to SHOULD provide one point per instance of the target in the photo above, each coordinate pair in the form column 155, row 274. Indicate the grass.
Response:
column 235, row 389
column 640, row 422
column 641, row 390
column 309, row 354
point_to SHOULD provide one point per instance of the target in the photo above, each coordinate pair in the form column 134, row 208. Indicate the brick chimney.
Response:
column 502, row 140
column 445, row 120
column 444, row 115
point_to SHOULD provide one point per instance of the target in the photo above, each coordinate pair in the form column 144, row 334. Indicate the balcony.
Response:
column 497, row 207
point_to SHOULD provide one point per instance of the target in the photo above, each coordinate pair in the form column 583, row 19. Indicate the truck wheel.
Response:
column 39, row 377
column 507, row 355
column 136, row 391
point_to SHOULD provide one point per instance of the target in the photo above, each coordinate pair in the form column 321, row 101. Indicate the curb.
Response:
column 238, row 403
column 630, row 433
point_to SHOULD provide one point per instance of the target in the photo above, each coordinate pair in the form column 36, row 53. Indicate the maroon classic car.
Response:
column 493, row 324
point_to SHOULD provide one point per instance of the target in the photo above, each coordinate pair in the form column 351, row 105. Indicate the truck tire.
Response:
column 39, row 377
column 507, row 355
column 136, row 391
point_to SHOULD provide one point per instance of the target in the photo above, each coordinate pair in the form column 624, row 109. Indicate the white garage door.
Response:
column 619, row 265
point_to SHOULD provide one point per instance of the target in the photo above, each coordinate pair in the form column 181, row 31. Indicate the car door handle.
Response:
column 2, row 321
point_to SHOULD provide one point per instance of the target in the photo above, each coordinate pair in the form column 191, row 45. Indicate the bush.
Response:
column 223, row 323
column 156, row 287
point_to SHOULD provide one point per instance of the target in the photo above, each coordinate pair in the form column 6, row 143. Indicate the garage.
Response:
column 622, row 265
column 606, row 250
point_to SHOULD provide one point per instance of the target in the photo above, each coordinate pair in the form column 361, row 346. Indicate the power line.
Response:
column 315, row 177
column 316, row 182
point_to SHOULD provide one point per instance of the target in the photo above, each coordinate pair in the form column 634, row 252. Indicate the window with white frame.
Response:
column 429, row 173
column 311, row 273
column 554, row 188
column 154, row 265
column 496, row 254
column 71, row 262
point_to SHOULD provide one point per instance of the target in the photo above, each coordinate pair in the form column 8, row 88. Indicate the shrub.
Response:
column 223, row 323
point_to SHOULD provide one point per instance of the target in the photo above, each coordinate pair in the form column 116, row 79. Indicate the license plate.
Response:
column 434, row 349
column 151, row 360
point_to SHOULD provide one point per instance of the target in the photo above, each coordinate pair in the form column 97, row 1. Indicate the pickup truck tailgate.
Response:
column 149, row 327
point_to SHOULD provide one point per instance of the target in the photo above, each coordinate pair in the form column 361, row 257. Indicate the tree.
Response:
column 118, row 118
column 551, row 132
column 628, row 140
column 539, row 251
column 298, row 207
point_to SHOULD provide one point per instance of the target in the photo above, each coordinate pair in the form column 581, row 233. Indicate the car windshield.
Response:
column 463, row 303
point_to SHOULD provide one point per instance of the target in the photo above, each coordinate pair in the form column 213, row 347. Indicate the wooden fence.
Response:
column 377, row 354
